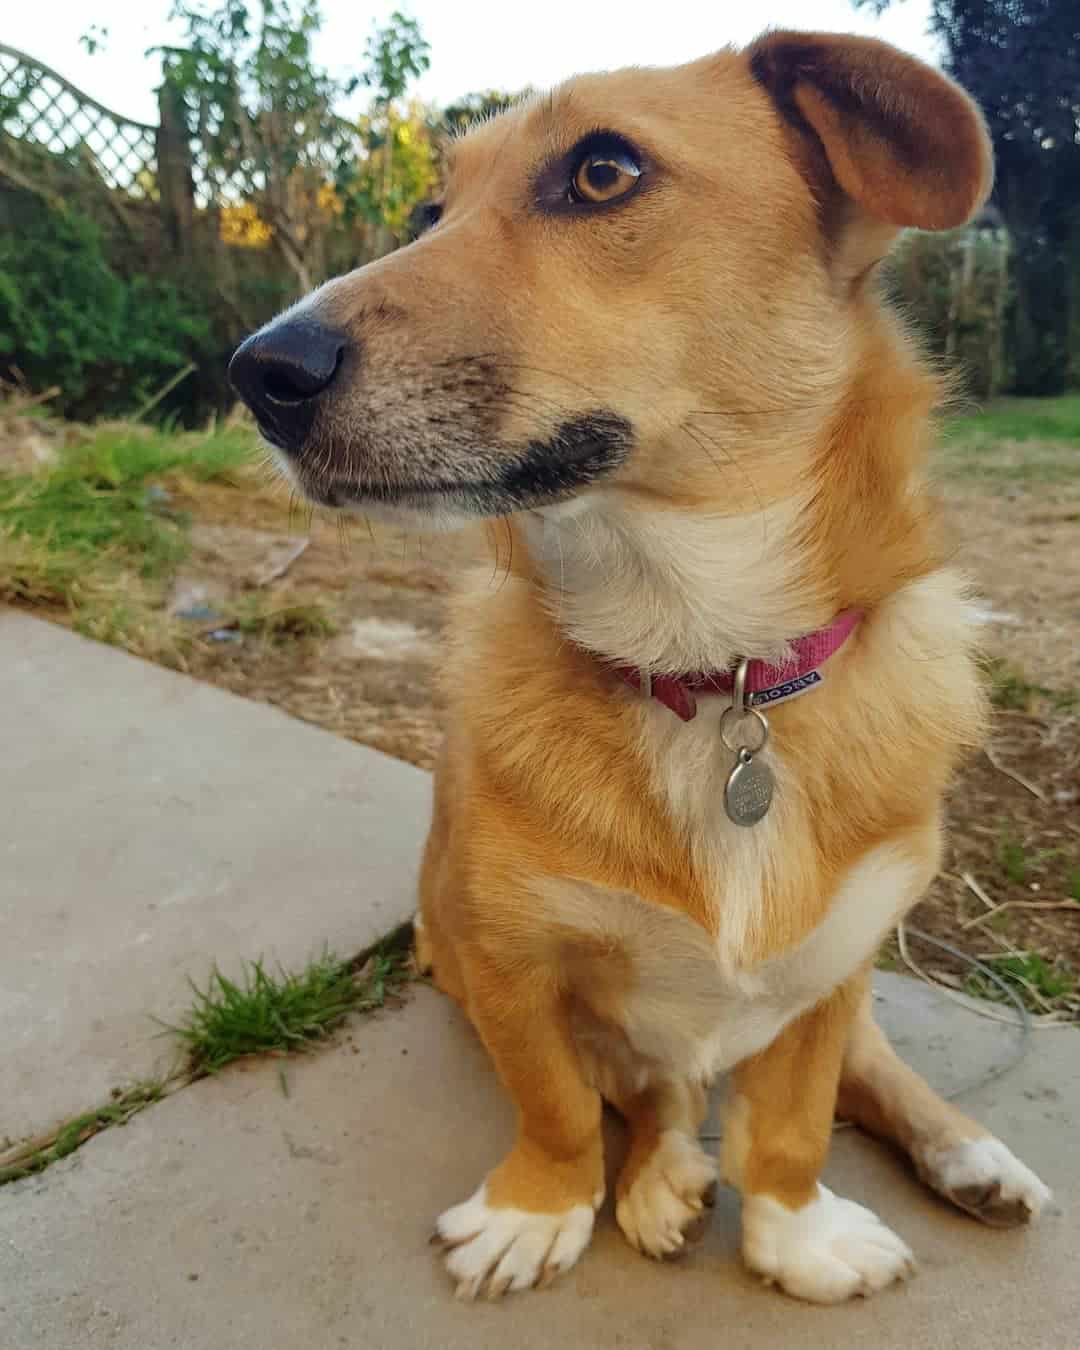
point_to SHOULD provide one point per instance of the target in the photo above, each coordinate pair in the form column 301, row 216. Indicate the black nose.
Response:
column 281, row 370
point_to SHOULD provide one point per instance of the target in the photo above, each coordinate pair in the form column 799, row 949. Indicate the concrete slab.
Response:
column 234, row 1216
column 152, row 826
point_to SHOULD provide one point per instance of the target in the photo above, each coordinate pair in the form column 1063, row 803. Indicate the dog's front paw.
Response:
column 667, row 1203
column 827, row 1252
column 983, row 1177
column 498, row 1251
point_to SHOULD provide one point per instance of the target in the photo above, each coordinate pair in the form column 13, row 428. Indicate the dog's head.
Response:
column 642, row 278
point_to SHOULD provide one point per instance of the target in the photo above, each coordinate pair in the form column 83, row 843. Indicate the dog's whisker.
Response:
column 344, row 538
column 509, row 552
column 704, row 443
column 492, row 536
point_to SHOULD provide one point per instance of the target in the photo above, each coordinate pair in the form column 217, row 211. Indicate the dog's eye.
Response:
column 424, row 217
column 604, row 175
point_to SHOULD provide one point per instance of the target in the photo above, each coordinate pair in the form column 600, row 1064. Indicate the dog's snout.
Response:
column 281, row 371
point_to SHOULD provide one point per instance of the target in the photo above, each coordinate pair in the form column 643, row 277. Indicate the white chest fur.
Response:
column 689, row 766
column 666, row 590
column 693, row 1004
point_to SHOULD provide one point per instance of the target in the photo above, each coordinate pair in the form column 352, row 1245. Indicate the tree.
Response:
column 471, row 108
column 399, row 170
column 397, row 167
column 1021, row 61
column 247, row 88
column 396, row 55
column 246, row 85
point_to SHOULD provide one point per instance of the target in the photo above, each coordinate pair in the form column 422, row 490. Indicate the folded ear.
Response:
column 902, row 141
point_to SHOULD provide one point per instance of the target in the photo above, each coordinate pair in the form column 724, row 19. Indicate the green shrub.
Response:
column 954, row 288
column 68, row 318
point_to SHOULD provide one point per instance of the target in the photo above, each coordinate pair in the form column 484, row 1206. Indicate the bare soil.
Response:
column 1017, row 838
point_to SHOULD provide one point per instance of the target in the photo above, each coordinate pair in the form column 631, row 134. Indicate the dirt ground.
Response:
column 1011, row 880
column 372, row 678
column 1022, row 547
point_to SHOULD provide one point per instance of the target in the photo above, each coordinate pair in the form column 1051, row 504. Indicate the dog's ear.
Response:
column 905, row 144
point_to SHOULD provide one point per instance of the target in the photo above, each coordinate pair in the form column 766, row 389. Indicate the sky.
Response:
column 475, row 44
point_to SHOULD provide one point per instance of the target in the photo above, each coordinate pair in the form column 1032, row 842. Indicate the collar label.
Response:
column 780, row 693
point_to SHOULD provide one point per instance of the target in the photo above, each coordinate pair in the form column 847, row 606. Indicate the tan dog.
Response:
column 645, row 324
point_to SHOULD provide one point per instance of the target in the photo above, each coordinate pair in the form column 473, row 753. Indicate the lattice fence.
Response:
column 40, row 107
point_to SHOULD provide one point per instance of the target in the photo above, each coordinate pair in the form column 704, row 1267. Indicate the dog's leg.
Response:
column 954, row 1155
column 440, row 881
column 533, row 1216
column 796, row 1232
column 667, row 1183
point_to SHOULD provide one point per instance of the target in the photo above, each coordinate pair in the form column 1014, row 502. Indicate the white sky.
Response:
column 475, row 44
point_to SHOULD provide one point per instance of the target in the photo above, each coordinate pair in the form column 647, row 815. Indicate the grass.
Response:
column 260, row 616
column 281, row 1010
column 1010, row 689
column 1034, row 440
column 1013, row 859
column 98, row 534
column 275, row 1012
column 1028, row 973
column 104, row 498
column 35, row 1156
column 1022, row 419
column 32, row 572
column 95, row 534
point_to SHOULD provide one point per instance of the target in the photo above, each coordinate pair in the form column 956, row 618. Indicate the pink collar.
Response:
column 767, row 684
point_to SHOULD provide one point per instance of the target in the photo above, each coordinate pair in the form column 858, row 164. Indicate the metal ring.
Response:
column 738, row 687
column 733, row 715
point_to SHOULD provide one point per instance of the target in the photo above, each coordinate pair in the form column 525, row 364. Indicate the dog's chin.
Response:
column 432, row 509
column 543, row 473
column 430, row 512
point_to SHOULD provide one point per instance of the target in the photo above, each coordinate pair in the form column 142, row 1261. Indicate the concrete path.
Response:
column 232, row 1217
column 235, row 1217
column 151, row 826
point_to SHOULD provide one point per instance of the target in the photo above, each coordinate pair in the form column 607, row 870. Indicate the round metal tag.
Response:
column 749, row 790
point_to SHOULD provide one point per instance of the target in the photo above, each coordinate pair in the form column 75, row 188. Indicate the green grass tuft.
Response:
column 94, row 533
column 261, row 1012
column 1016, row 440
column 1011, row 690
column 1021, row 419
column 1014, row 861
column 33, row 573
column 281, row 1010
column 90, row 518
column 1008, row 687
column 118, row 454
column 260, row 616
column 72, row 1134
column 100, row 498
column 1028, row 974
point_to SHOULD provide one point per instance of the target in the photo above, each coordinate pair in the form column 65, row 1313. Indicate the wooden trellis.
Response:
column 40, row 107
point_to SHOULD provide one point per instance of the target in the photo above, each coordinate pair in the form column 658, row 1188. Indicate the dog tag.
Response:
column 749, row 789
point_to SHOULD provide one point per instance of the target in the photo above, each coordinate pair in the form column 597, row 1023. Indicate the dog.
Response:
column 699, row 733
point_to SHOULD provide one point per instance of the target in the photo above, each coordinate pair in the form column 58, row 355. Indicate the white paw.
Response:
column 669, row 1196
column 983, row 1177
column 499, row 1251
column 829, row 1251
